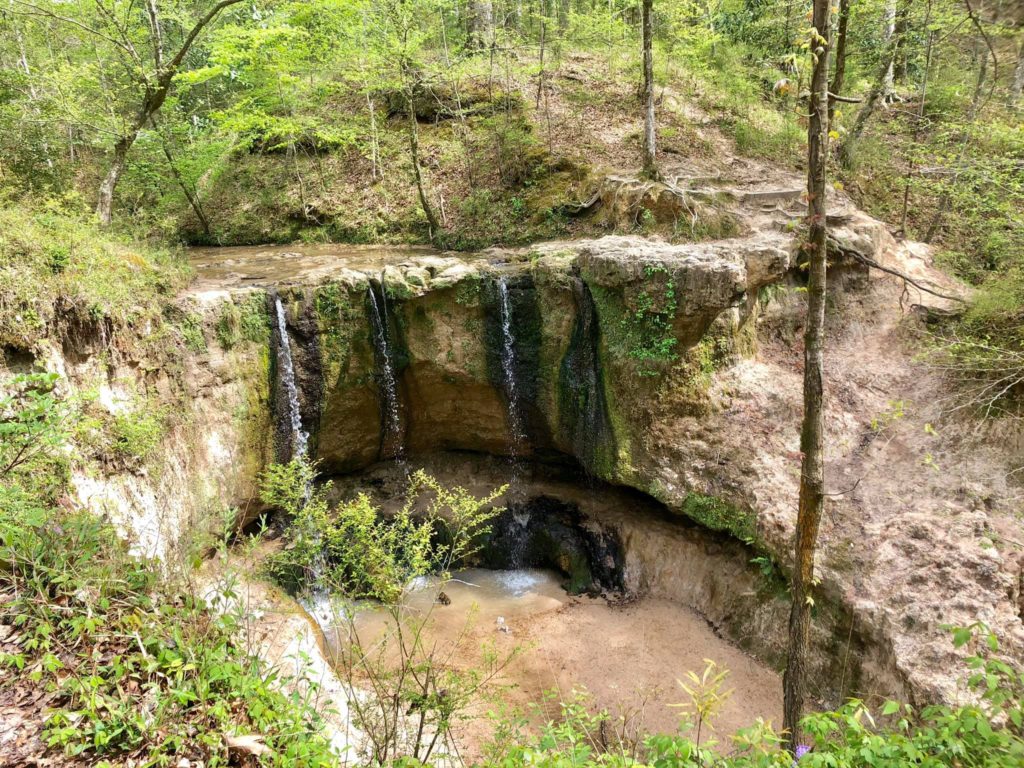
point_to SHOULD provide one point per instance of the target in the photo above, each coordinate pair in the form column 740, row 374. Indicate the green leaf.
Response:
column 961, row 636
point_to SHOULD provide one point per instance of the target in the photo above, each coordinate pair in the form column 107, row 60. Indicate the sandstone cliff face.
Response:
column 205, row 397
column 674, row 370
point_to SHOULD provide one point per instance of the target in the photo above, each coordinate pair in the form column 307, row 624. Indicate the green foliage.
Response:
column 103, row 631
column 356, row 550
column 137, row 434
column 34, row 427
column 81, row 602
column 244, row 321
column 191, row 327
column 732, row 88
column 640, row 324
column 57, row 268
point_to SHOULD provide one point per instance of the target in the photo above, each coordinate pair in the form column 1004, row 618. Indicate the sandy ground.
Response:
column 626, row 656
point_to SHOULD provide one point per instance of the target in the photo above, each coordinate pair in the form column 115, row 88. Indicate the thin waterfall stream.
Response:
column 286, row 367
column 392, row 439
column 517, row 435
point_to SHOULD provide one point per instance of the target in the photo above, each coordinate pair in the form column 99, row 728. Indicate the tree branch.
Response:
column 869, row 262
column 37, row 11
column 173, row 64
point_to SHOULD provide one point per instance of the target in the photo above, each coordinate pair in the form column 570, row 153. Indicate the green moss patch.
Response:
column 718, row 515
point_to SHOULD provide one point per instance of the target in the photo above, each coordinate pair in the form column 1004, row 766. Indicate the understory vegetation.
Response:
column 58, row 272
column 120, row 660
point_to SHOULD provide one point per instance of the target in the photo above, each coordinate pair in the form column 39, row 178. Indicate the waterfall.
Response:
column 286, row 376
column 517, row 435
column 508, row 374
column 391, row 407
column 518, row 534
column 583, row 411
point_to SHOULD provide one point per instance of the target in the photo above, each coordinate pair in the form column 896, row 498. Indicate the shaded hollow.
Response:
column 545, row 532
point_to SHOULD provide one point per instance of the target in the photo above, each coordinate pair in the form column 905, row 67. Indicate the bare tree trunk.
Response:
column 876, row 93
column 812, row 469
column 414, row 153
column 650, row 167
column 890, row 42
column 1018, row 79
column 480, row 24
column 935, row 227
column 840, row 58
column 105, row 200
column 186, row 188
column 899, row 66
column 919, row 125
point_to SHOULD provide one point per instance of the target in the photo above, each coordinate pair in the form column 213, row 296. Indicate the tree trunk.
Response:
column 650, row 168
column 890, row 42
column 899, row 66
column 870, row 104
column 1018, row 79
column 935, row 227
column 480, row 21
column 154, row 96
column 414, row 152
column 105, row 201
column 186, row 189
column 919, row 125
column 812, row 469
column 840, row 58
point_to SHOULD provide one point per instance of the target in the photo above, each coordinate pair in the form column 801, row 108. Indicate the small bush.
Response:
column 356, row 551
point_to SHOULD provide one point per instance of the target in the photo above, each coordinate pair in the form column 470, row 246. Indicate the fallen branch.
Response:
column 869, row 262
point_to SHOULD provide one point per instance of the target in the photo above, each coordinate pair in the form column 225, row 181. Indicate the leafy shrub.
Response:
column 246, row 320
column 356, row 550
column 137, row 434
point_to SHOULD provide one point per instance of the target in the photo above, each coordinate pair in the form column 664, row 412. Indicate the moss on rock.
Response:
column 718, row 515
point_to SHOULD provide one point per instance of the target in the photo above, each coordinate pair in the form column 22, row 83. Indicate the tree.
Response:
column 812, row 469
column 650, row 168
column 396, row 46
column 139, row 38
column 1018, row 78
column 839, row 75
column 879, row 90
column 480, row 24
